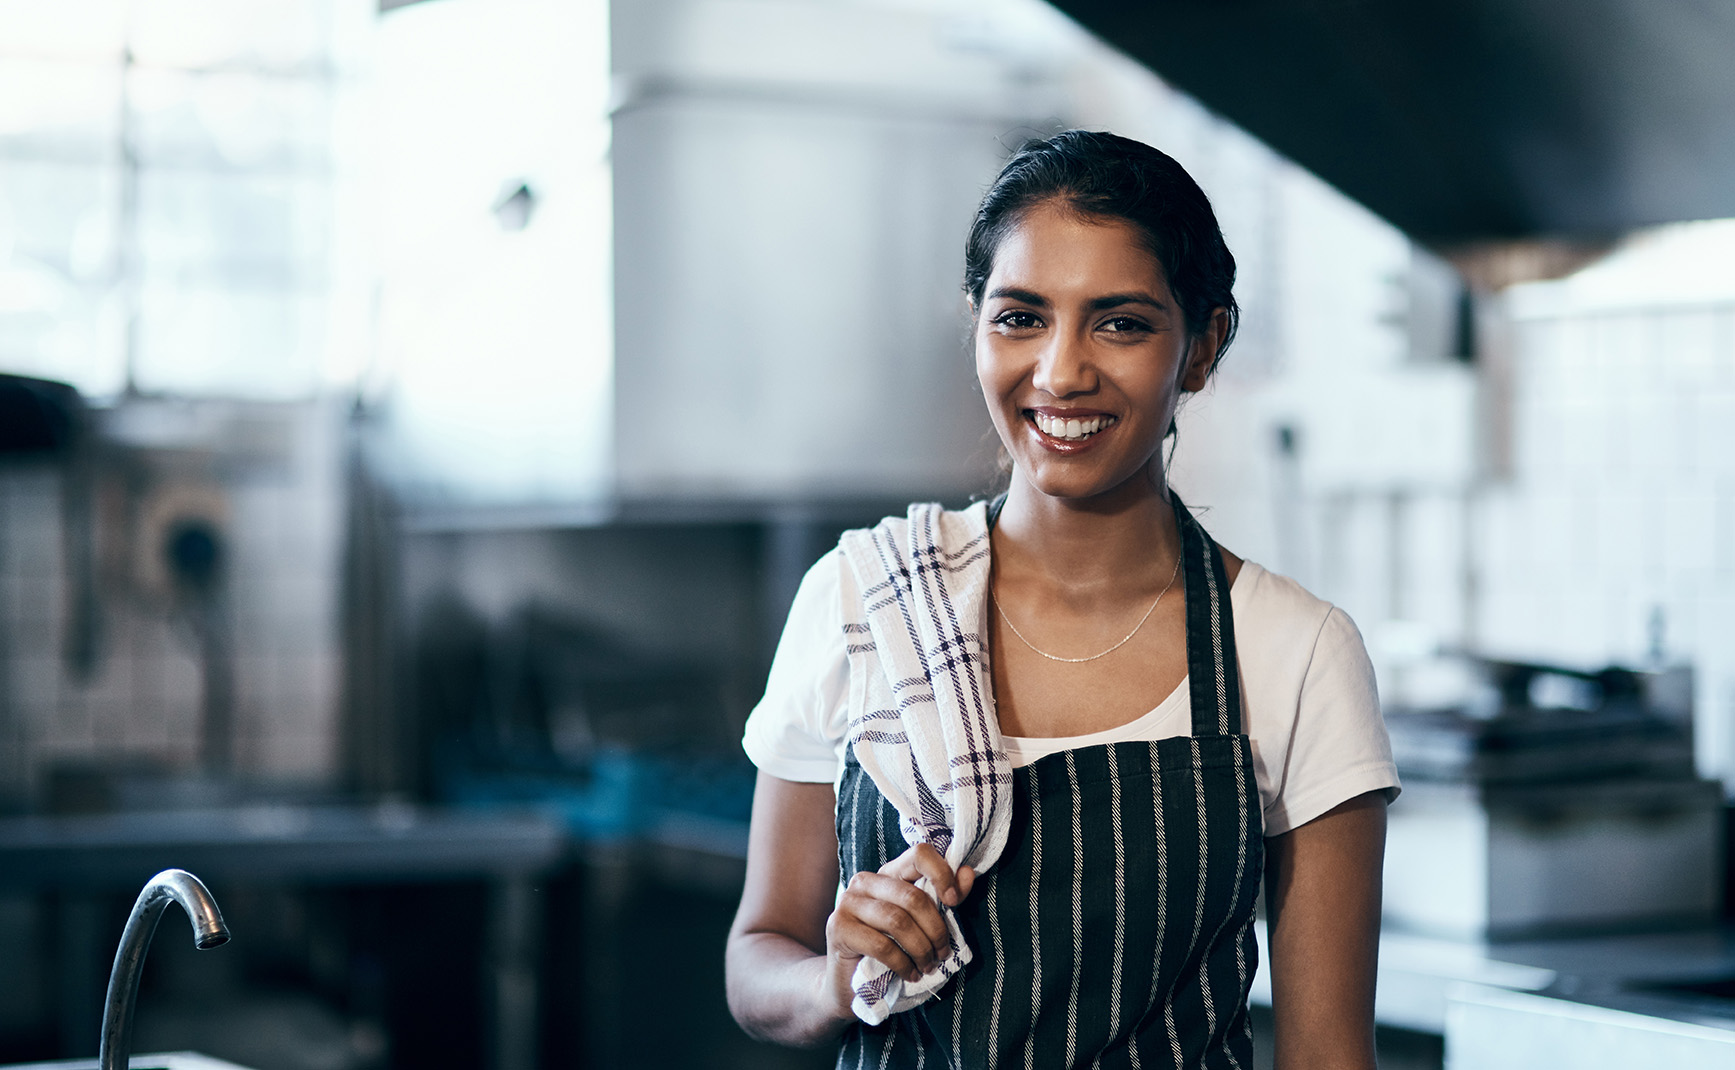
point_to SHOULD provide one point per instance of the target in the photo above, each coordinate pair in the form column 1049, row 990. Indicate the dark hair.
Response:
column 1112, row 177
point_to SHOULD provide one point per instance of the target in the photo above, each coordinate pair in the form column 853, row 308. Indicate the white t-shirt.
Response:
column 1307, row 689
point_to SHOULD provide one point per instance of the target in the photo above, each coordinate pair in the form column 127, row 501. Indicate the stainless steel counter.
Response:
column 315, row 844
column 1496, row 1029
column 1419, row 975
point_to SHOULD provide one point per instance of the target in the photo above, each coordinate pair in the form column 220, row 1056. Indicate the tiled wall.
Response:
column 1614, row 537
column 143, row 698
column 1595, row 522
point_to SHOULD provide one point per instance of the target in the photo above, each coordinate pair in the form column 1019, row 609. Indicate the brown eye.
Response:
column 1125, row 324
column 1017, row 319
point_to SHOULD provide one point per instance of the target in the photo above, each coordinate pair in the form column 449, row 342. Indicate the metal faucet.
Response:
column 123, row 982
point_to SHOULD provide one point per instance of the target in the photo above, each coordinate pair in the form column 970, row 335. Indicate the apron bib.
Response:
column 1116, row 930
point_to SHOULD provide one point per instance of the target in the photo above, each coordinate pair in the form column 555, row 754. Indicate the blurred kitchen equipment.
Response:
column 42, row 420
column 563, row 713
column 1529, row 723
column 182, row 558
column 171, row 885
column 1553, row 800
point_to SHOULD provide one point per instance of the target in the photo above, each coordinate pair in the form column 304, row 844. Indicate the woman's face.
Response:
column 1082, row 352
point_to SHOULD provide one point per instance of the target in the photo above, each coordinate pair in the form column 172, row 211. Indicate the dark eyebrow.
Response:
column 1027, row 297
column 1117, row 300
column 1024, row 297
column 1030, row 297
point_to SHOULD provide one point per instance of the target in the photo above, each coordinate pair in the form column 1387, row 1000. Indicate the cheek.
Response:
column 991, row 370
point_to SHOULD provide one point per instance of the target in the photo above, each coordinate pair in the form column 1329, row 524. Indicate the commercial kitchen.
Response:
column 416, row 417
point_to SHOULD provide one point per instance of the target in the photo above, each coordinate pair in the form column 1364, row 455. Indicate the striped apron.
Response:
column 1116, row 930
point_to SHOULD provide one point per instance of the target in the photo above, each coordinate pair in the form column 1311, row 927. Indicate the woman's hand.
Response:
column 885, row 916
column 794, row 945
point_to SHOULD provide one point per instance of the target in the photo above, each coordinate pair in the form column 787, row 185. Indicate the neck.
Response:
column 1125, row 538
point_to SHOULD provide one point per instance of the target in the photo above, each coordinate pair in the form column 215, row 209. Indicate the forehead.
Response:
column 1052, row 247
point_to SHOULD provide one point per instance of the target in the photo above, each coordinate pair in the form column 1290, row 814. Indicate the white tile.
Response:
column 1499, row 545
column 1650, row 435
column 1580, row 634
column 1723, row 348
column 1522, row 622
column 1538, row 449
column 1586, row 431
column 1688, row 348
column 1620, row 529
column 1626, row 344
column 1723, row 519
column 1626, row 620
column 1715, row 423
column 1686, row 459
column 1691, row 531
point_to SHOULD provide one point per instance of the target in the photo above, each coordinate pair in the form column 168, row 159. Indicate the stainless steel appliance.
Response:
column 1555, row 801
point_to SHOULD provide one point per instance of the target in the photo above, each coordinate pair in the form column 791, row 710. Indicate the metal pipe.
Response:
column 171, row 885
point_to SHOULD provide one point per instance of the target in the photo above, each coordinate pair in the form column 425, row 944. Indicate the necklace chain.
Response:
column 1093, row 657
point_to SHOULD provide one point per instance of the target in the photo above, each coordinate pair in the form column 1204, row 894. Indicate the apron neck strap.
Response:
column 995, row 504
column 1214, row 683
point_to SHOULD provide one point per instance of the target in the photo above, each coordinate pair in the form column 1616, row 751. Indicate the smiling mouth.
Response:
column 1069, row 430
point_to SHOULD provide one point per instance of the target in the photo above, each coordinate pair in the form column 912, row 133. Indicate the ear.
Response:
column 1202, row 352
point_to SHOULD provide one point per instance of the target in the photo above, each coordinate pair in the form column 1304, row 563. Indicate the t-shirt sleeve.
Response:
column 793, row 732
column 1339, row 748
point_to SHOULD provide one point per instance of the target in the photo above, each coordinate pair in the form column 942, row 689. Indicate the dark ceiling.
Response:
column 1464, row 121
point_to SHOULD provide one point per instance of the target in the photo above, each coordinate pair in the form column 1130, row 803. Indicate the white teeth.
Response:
column 1070, row 430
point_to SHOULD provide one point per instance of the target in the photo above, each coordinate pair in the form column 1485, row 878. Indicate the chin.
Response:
column 1079, row 487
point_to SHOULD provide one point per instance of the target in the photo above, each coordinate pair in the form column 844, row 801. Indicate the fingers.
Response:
column 885, row 916
column 889, row 919
column 923, row 861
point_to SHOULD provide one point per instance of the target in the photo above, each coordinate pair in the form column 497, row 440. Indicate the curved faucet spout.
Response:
column 171, row 885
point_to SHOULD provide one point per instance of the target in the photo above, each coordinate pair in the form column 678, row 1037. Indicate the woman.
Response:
column 1055, row 740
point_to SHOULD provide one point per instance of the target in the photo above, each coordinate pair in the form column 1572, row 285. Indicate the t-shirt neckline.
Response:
column 1023, row 750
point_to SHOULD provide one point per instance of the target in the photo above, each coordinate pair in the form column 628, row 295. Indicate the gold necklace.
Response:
column 1093, row 657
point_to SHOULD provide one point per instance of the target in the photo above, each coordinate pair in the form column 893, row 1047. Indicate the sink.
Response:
column 1703, row 1001
column 115, row 1049
column 171, row 1060
column 1722, row 988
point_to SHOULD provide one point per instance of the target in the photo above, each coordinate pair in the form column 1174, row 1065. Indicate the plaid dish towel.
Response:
column 921, row 706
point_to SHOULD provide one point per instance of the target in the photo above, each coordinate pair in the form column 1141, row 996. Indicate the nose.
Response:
column 1064, row 367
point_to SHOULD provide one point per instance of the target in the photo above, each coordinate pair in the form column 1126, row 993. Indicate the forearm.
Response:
column 1323, row 906
column 782, row 991
column 1324, row 1014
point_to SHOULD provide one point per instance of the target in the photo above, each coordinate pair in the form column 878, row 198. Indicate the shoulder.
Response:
column 1311, row 698
column 1290, row 641
column 819, row 586
column 1273, row 613
column 793, row 731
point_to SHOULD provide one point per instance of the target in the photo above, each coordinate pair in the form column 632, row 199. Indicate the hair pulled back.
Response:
column 1111, row 177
